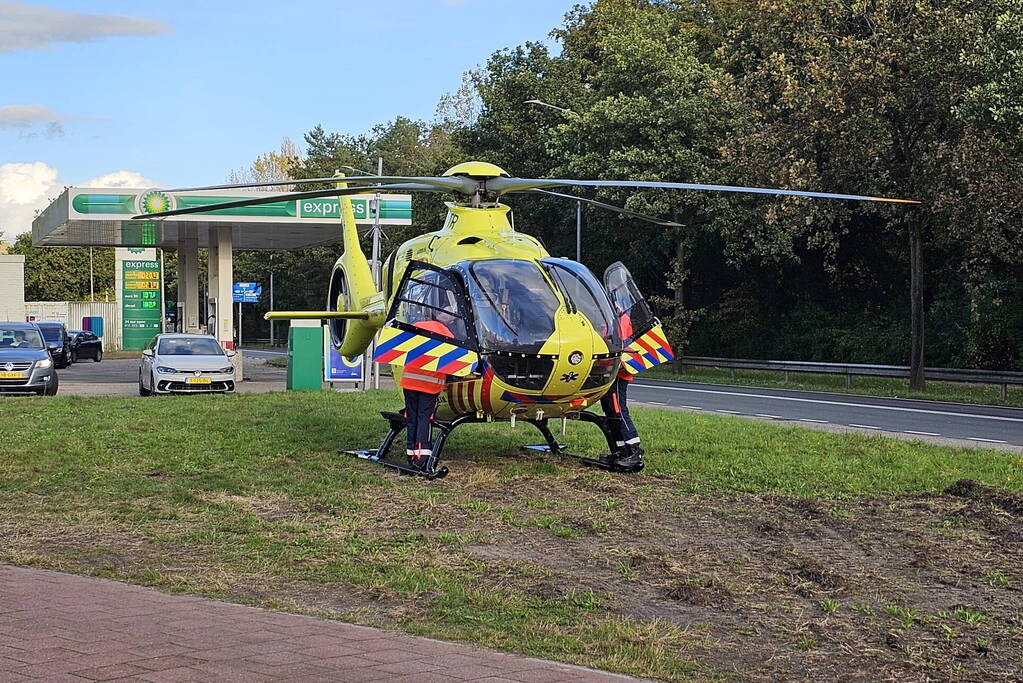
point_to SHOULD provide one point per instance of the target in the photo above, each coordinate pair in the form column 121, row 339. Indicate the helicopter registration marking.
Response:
column 414, row 351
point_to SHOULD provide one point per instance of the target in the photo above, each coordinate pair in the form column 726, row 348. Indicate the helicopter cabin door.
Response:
column 643, row 339
column 429, row 326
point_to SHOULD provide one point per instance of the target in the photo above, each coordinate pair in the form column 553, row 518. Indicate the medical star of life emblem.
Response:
column 570, row 377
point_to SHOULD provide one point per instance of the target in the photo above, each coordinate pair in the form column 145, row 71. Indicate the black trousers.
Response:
column 419, row 410
column 615, row 403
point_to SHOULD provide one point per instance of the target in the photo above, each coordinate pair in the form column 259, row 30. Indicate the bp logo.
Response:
column 154, row 201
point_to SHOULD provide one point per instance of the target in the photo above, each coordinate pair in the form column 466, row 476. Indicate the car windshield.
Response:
column 514, row 305
column 51, row 332
column 183, row 346
column 20, row 338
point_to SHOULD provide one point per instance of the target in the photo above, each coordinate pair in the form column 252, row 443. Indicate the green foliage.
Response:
column 62, row 273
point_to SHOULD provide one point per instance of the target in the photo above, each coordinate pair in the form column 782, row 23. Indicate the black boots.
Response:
column 629, row 459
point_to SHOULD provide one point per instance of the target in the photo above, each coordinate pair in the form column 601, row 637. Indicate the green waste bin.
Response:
column 305, row 358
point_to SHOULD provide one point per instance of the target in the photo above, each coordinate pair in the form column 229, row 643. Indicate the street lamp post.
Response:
column 578, row 204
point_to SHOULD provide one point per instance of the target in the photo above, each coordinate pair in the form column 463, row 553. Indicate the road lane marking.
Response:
column 692, row 407
column 864, row 426
column 806, row 419
column 730, row 412
column 657, row 403
column 977, row 438
column 773, row 417
column 910, row 431
column 832, row 403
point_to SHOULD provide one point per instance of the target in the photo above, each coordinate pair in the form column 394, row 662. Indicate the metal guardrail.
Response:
column 850, row 370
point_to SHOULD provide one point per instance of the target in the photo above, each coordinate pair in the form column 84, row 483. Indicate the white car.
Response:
column 185, row 364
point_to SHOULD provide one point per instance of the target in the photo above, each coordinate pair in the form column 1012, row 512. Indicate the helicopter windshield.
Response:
column 584, row 292
column 514, row 305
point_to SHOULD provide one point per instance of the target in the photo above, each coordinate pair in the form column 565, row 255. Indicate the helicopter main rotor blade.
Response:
column 612, row 207
column 454, row 183
column 336, row 192
column 506, row 185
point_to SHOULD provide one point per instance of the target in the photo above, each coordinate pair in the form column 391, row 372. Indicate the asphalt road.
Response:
column 927, row 420
column 905, row 418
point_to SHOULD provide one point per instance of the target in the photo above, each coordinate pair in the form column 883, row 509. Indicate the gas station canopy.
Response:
column 101, row 217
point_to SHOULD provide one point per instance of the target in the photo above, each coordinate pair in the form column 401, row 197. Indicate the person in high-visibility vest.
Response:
column 421, row 389
column 615, row 403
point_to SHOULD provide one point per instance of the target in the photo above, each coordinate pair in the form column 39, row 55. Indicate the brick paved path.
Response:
column 61, row 627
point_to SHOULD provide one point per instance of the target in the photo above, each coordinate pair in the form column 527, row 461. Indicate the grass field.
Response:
column 986, row 394
column 744, row 550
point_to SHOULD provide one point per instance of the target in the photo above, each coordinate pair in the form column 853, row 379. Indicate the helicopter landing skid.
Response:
column 402, row 467
column 602, row 463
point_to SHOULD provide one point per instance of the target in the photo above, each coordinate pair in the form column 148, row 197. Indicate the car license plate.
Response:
column 12, row 375
column 198, row 380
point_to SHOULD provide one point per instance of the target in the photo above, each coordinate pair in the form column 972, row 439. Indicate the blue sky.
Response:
column 180, row 93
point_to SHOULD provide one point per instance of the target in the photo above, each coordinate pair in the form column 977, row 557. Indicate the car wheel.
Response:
column 98, row 357
column 74, row 357
column 52, row 391
column 142, row 390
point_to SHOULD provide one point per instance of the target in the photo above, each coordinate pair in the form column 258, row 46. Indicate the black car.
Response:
column 58, row 342
column 85, row 345
column 25, row 362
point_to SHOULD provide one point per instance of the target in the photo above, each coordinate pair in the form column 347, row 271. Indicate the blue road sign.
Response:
column 246, row 292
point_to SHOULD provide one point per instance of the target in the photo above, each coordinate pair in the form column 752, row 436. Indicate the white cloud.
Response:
column 30, row 27
column 121, row 179
column 25, row 115
column 26, row 188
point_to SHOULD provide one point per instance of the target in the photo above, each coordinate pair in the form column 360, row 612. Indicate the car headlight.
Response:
column 43, row 364
column 164, row 370
column 228, row 369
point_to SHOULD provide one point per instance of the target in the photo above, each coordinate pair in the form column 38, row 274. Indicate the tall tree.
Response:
column 869, row 97
column 62, row 273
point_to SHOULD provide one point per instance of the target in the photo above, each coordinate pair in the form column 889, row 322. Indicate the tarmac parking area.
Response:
column 119, row 377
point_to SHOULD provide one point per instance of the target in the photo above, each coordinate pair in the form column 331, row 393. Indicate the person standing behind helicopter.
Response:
column 628, row 455
column 421, row 389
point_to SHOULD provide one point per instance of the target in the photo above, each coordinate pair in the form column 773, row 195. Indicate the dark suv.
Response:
column 58, row 342
column 25, row 362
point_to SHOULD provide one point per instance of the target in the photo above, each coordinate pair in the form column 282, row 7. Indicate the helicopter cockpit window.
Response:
column 514, row 305
column 433, row 296
column 584, row 292
column 628, row 303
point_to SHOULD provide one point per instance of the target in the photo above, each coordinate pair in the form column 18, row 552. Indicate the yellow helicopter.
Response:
column 533, row 337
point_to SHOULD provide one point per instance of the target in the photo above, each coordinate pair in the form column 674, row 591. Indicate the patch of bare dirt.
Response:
column 908, row 588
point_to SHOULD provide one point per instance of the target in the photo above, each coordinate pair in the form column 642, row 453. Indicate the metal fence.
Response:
column 71, row 313
column 1002, row 378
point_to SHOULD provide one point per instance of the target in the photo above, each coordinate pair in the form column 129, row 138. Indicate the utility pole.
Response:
column 376, row 267
column 578, row 231
column 271, row 296
column 92, row 286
